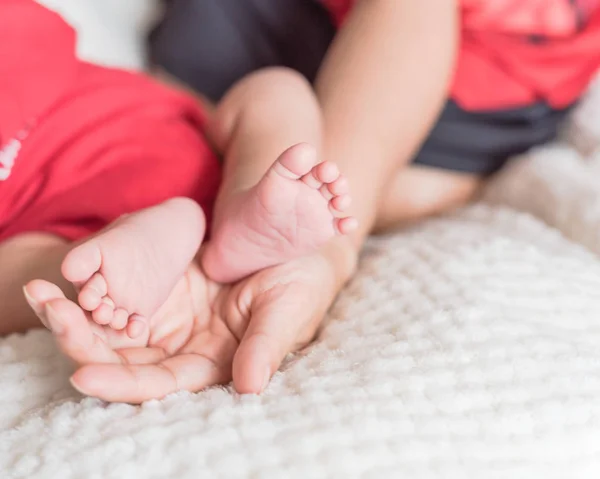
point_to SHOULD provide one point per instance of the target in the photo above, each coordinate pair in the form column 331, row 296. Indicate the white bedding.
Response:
column 466, row 347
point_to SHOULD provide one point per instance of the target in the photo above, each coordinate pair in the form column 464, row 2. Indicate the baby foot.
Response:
column 187, row 345
column 129, row 269
column 289, row 213
column 82, row 339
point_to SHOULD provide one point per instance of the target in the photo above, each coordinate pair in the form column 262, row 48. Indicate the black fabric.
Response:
column 481, row 142
column 211, row 44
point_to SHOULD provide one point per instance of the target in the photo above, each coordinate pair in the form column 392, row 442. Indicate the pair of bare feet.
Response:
column 149, row 321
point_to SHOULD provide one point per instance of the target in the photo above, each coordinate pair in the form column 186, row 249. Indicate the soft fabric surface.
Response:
column 466, row 347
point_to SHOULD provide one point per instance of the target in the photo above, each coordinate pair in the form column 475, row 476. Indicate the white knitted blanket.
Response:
column 466, row 347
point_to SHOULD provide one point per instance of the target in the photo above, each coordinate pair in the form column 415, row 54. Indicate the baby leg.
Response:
column 417, row 192
column 462, row 150
column 278, row 200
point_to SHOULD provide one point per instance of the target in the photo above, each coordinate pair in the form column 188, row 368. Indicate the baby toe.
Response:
column 311, row 180
column 346, row 225
column 104, row 313
column 91, row 294
column 327, row 172
column 339, row 187
column 119, row 320
column 324, row 190
column 82, row 262
column 296, row 161
column 340, row 203
column 136, row 326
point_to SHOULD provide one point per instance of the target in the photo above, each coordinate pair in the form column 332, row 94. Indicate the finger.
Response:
column 137, row 327
column 272, row 333
column 119, row 339
column 38, row 293
column 80, row 339
column 139, row 383
column 254, row 361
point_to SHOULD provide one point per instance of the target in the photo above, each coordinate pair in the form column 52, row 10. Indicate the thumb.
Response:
column 273, row 331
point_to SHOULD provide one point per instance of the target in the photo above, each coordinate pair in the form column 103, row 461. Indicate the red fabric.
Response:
column 517, row 52
column 96, row 143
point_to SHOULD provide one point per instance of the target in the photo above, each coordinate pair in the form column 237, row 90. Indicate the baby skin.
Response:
column 126, row 272
column 275, row 212
column 186, row 329
column 204, row 334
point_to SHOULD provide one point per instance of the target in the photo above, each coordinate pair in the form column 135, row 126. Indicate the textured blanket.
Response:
column 466, row 347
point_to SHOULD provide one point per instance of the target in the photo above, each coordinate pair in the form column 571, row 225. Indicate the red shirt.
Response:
column 518, row 52
column 81, row 145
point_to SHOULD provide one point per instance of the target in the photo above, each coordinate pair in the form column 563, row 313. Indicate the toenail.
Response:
column 55, row 325
column 109, row 302
column 94, row 289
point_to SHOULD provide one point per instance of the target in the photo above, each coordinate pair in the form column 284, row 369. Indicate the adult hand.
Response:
column 205, row 334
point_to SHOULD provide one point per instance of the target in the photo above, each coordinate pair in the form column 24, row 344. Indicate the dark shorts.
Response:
column 211, row 44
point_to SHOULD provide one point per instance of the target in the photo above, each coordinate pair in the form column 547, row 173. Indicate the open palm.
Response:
column 205, row 334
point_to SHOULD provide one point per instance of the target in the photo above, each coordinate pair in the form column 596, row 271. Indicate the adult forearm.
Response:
column 381, row 87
